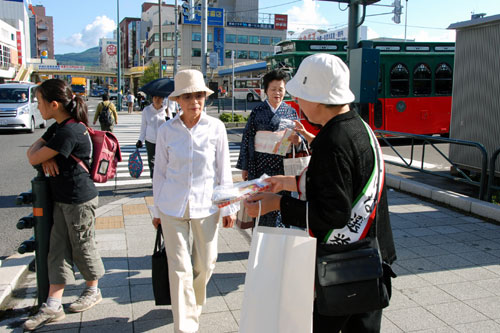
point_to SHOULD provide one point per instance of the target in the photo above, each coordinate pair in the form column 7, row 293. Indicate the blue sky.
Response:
column 79, row 24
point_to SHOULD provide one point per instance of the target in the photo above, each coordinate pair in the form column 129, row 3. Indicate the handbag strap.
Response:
column 159, row 235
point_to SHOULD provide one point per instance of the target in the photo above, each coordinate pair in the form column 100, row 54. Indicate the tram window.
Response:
column 399, row 80
column 444, row 79
column 422, row 80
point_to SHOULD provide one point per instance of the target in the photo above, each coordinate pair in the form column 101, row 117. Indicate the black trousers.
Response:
column 150, row 148
column 368, row 322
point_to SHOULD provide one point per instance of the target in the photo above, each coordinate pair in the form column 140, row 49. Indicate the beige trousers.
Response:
column 189, row 271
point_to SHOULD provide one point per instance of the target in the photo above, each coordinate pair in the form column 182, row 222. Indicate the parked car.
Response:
column 19, row 107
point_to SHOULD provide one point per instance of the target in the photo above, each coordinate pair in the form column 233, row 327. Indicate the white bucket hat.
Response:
column 189, row 81
column 322, row 78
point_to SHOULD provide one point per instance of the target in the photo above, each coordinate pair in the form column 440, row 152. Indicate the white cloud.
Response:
column 89, row 36
column 306, row 16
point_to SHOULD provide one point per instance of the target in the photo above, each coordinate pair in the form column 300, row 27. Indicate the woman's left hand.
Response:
column 296, row 140
column 228, row 221
column 269, row 202
column 50, row 167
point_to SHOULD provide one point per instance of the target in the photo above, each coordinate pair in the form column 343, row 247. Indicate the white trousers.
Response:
column 189, row 273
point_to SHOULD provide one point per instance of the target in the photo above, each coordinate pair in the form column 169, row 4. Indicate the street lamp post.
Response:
column 176, row 37
column 159, row 32
column 204, row 29
column 118, row 74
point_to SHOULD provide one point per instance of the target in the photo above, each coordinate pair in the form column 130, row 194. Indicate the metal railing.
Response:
column 432, row 141
column 492, row 175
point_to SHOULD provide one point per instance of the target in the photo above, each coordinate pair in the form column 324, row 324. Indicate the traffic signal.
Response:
column 163, row 65
column 397, row 11
column 188, row 9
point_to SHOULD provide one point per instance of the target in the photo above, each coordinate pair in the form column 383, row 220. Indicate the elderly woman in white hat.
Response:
column 343, row 166
column 192, row 157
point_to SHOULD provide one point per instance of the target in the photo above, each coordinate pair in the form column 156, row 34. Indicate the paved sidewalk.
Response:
column 448, row 266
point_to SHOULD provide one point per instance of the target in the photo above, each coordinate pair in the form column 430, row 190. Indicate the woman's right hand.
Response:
column 156, row 222
column 244, row 175
column 138, row 144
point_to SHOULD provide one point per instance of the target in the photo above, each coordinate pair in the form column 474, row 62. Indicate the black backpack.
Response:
column 105, row 117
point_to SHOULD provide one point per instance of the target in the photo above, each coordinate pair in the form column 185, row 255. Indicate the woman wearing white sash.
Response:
column 342, row 180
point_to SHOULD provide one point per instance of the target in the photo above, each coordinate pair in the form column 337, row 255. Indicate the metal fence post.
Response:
column 42, row 221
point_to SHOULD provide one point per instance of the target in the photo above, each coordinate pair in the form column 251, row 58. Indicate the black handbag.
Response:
column 350, row 278
column 159, row 272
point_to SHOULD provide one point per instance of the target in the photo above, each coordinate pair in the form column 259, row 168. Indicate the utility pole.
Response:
column 159, row 32
column 176, row 36
column 406, row 17
column 118, row 54
column 354, row 27
column 204, row 11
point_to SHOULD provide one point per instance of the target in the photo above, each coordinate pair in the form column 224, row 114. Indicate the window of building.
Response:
column 156, row 52
column 399, row 80
column 164, row 37
column 253, row 54
column 196, row 52
column 422, row 80
column 276, row 40
column 168, row 52
column 444, row 79
column 230, row 38
column 165, row 51
column 240, row 54
column 228, row 54
column 264, row 54
column 156, row 37
column 210, row 37
column 254, row 39
column 196, row 36
column 168, row 36
column 265, row 40
column 242, row 39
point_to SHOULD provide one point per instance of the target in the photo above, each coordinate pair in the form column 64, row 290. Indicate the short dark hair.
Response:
column 276, row 74
column 105, row 97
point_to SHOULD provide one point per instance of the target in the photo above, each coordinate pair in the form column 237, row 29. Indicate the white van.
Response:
column 19, row 107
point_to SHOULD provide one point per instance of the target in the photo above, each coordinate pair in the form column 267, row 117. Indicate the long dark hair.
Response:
column 59, row 91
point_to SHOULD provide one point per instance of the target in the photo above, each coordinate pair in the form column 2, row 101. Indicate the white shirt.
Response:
column 152, row 119
column 189, row 163
column 171, row 106
column 271, row 107
column 130, row 98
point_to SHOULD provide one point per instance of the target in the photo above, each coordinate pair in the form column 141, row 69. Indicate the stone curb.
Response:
column 456, row 200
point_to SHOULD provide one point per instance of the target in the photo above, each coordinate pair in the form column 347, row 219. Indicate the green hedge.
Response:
column 227, row 117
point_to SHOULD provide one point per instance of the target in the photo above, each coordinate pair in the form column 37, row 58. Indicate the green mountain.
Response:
column 88, row 57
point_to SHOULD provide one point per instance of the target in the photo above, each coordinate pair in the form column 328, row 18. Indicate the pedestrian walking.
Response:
column 344, row 166
column 172, row 107
column 106, row 114
column 268, row 116
column 72, row 239
column 130, row 102
column 192, row 157
column 153, row 116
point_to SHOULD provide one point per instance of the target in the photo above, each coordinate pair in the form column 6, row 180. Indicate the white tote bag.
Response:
column 295, row 165
column 279, row 284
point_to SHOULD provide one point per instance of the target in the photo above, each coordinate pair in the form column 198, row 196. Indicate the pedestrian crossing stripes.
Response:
column 127, row 132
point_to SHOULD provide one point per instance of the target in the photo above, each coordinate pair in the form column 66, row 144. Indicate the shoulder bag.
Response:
column 159, row 272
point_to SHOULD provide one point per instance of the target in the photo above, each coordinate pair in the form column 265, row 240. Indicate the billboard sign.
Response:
column 280, row 22
column 219, row 44
column 215, row 17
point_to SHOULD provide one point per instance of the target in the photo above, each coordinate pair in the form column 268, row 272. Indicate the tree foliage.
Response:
column 150, row 73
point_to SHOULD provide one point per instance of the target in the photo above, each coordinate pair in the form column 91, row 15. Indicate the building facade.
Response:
column 44, row 32
column 8, row 51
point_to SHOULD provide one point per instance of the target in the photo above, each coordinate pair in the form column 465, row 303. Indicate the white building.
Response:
column 15, row 14
column 8, row 51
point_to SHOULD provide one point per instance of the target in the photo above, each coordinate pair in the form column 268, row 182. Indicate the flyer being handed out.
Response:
column 225, row 195
column 277, row 143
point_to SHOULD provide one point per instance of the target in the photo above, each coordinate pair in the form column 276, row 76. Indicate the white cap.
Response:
column 322, row 78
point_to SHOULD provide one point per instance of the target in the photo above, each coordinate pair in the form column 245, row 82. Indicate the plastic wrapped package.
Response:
column 225, row 195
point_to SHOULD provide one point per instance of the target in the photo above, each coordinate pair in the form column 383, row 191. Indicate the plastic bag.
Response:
column 225, row 195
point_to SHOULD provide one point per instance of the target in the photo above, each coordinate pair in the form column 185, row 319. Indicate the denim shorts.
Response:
column 72, row 242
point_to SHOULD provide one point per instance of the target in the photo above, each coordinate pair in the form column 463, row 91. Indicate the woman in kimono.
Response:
column 271, row 115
